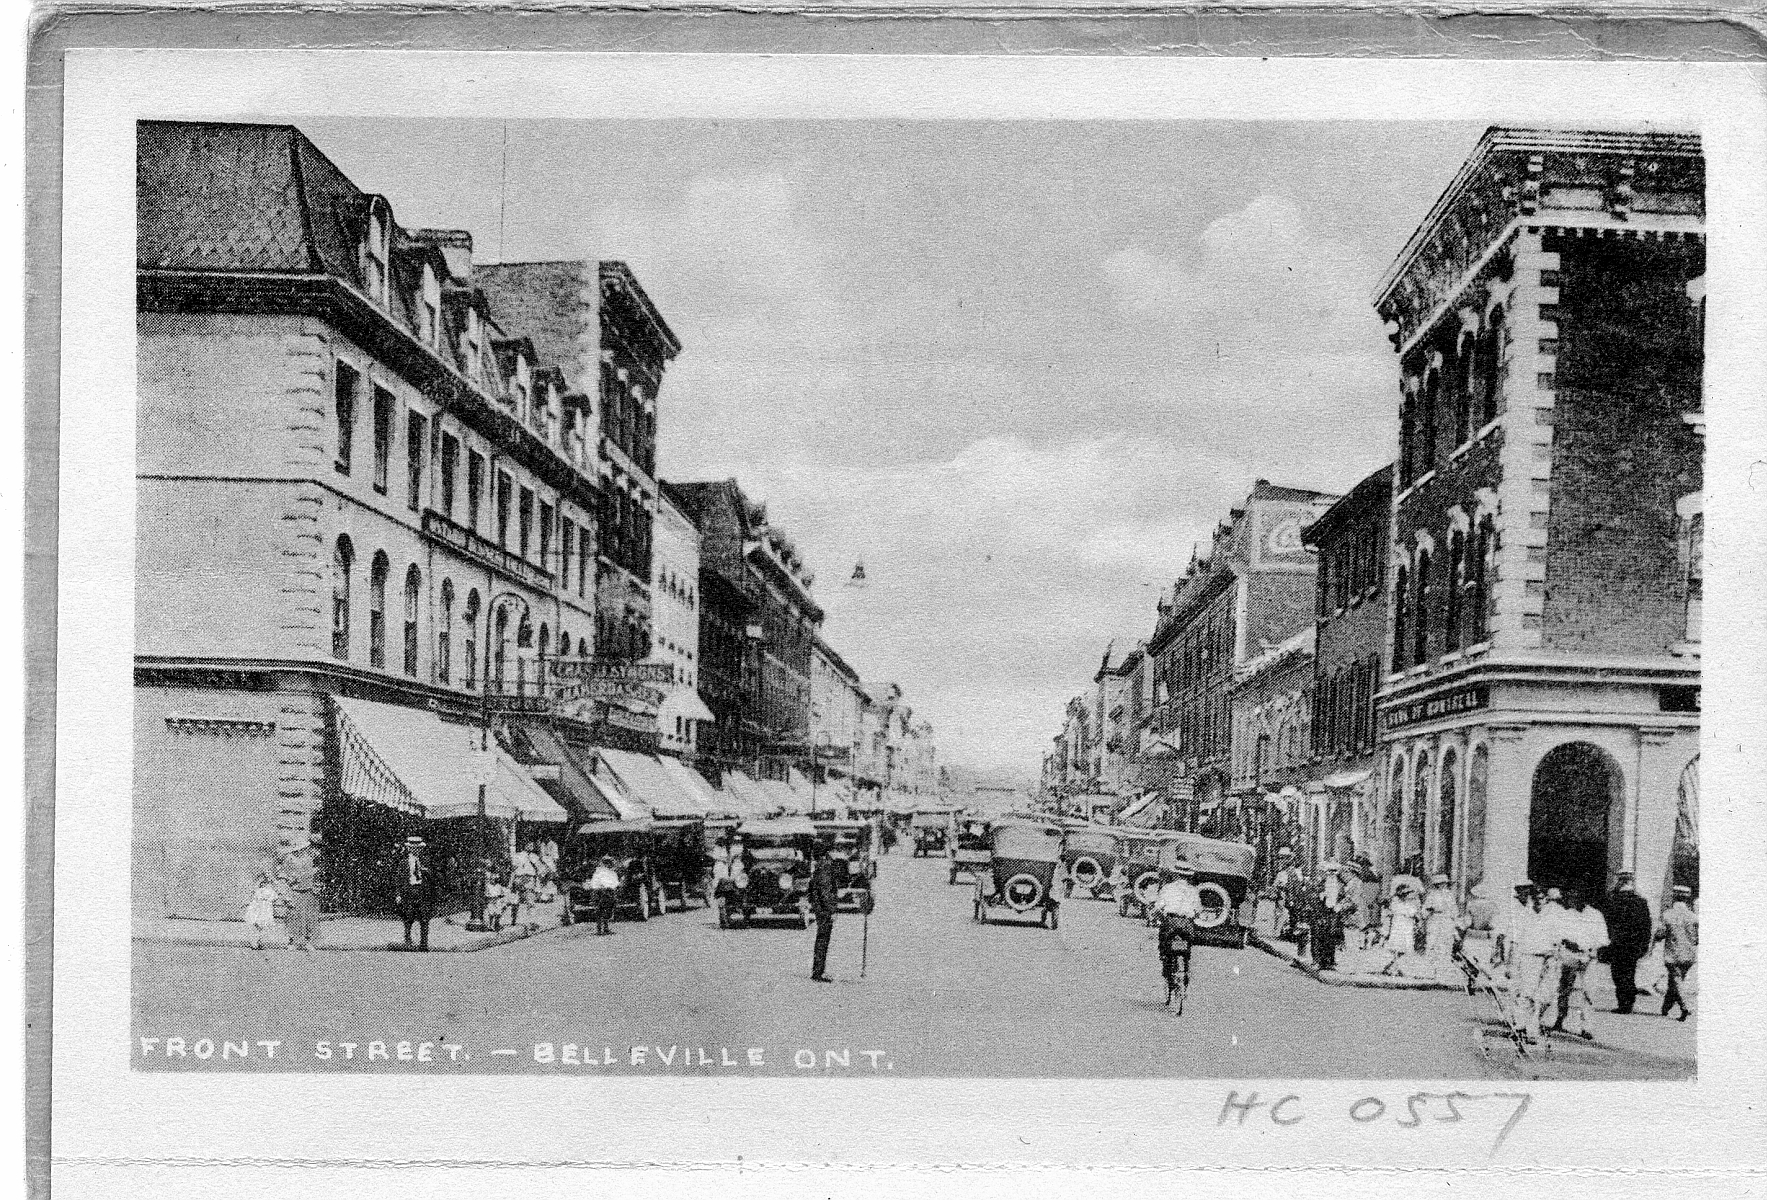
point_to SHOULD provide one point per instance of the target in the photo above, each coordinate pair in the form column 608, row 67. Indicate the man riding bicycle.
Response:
column 1176, row 908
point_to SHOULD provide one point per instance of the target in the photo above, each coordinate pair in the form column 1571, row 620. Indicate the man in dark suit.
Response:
column 823, row 894
column 414, row 891
column 1629, row 930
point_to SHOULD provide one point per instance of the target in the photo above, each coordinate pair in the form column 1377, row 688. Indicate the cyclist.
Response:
column 1176, row 908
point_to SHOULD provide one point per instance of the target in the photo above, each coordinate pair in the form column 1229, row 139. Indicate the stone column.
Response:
column 1508, row 798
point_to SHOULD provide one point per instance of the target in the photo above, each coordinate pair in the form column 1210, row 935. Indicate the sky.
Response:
column 1019, row 369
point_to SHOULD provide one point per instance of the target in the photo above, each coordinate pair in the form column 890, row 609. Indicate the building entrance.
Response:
column 1571, row 815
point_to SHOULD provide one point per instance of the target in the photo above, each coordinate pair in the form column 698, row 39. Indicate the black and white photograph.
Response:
column 1044, row 610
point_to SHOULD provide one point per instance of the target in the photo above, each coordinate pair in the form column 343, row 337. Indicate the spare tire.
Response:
column 1216, row 904
column 1022, row 892
column 1147, row 886
column 1086, row 872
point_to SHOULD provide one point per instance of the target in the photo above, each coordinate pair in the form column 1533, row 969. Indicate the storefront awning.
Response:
column 783, row 796
column 755, row 800
column 575, row 787
column 1345, row 780
column 683, row 702
column 709, row 799
column 411, row 760
column 645, row 779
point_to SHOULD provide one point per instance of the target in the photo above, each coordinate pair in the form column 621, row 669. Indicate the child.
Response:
column 494, row 899
column 260, row 914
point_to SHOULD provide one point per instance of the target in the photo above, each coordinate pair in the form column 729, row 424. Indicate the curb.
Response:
column 1333, row 979
column 481, row 942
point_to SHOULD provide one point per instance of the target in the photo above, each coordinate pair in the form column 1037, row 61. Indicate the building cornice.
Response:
column 1663, row 671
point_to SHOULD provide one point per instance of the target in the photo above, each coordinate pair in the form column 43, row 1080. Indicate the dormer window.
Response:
column 429, row 307
column 374, row 259
column 473, row 351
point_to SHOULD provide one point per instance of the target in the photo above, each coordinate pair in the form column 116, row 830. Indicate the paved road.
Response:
column 941, row 996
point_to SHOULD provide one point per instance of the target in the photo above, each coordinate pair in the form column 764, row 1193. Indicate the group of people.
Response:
column 1550, row 938
column 1340, row 905
column 295, row 883
column 532, row 878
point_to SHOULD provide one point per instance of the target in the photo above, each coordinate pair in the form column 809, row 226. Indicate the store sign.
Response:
column 599, row 669
column 1461, row 700
column 636, row 722
column 1276, row 534
column 518, row 705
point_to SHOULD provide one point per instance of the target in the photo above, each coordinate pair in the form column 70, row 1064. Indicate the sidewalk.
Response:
column 347, row 933
column 1642, row 1031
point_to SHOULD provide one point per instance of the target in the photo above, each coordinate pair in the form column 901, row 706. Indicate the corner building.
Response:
column 1540, row 711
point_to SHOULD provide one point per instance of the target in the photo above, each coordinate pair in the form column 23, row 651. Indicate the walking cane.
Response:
column 864, row 936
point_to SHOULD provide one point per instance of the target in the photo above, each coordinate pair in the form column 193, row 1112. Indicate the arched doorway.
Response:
column 1394, row 820
column 1570, row 817
column 1684, row 856
column 1448, row 795
column 1478, row 778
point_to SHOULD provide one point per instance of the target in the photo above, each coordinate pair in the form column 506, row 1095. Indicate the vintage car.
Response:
column 1139, row 857
column 1091, row 853
column 775, row 878
column 1223, row 876
column 931, row 833
column 969, row 846
column 1022, row 871
column 681, row 859
column 850, row 846
column 632, row 844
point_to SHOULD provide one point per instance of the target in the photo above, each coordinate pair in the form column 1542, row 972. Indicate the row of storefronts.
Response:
column 1496, row 676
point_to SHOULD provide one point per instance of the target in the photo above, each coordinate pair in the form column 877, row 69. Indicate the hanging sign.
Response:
column 612, row 669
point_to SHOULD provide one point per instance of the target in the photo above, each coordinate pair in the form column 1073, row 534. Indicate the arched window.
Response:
column 1426, row 422
column 377, row 610
column 499, row 647
column 413, row 582
column 1416, row 817
column 1491, row 368
column 1420, row 634
column 1456, row 584
column 1465, row 403
column 1401, row 582
column 1407, row 435
column 444, row 632
column 1479, row 594
column 545, row 650
column 470, row 627
column 582, row 648
column 1477, row 785
column 1448, row 795
column 343, row 556
column 1696, row 574
column 1394, row 820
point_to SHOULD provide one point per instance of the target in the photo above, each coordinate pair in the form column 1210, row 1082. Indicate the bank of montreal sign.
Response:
column 1448, row 704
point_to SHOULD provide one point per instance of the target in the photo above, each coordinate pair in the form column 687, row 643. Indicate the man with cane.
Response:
column 823, row 895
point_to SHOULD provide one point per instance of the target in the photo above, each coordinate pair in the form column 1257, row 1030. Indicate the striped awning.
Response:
column 411, row 760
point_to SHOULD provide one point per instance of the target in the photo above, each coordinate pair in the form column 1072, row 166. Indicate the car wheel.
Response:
column 978, row 912
column 723, row 915
column 643, row 902
column 952, row 878
column 1055, row 918
column 1215, row 905
column 1086, row 872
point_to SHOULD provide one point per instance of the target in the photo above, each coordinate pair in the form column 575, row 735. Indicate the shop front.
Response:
column 1561, row 775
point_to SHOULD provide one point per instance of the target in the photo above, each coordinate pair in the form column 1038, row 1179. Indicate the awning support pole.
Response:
column 477, row 924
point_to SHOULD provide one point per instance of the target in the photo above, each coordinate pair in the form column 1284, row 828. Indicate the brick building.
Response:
column 1271, row 754
column 674, row 629
column 1540, row 712
column 758, row 628
column 1350, row 545
column 1252, row 592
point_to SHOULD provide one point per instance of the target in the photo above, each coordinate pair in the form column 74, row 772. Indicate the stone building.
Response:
column 1252, row 591
column 1350, row 545
column 1541, row 708
column 759, row 624
column 368, row 500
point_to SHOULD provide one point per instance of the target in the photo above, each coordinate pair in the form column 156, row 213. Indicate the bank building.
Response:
column 1539, row 714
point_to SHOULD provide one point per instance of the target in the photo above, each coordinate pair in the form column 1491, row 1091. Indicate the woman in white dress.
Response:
column 1438, row 928
column 1402, row 913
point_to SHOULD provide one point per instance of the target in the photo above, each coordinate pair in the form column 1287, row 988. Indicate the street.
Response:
column 941, row 996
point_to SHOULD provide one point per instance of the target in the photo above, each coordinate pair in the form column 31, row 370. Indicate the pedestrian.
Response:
column 260, row 914
column 548, row 870
column 1534, row 980
column 1680, row 934
column 1402, row 913
column 1438, row 922
column 414, row 891
column 604, row 889
column 1284, row 891
column 1509, row 927
column 524, row 882
column 496, row 897
column 299, row 872
column 1629, row 932
column 1584, row 936
column 1331, row 902
column 823, row 895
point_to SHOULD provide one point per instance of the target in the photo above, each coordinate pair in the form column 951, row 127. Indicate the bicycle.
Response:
column 1175, row 962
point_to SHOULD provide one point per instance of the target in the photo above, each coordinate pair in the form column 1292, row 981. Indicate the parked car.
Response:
column 931, row 834
column 969, row 846
column 775, row 877
column 1223, row 875
column 632, row 844
column 1091, row 852
column 1140, row 859
column 1021, row 871
column 681, row 861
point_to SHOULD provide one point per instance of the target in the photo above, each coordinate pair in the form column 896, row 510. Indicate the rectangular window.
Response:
column 383, row 436
column 567, row 546
column 503, row 486
column 585, row 549
column 475, row 487
column 546, row 519
column 348, row 385
column 450, row 463
column 525, row 522
column 415, row 428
